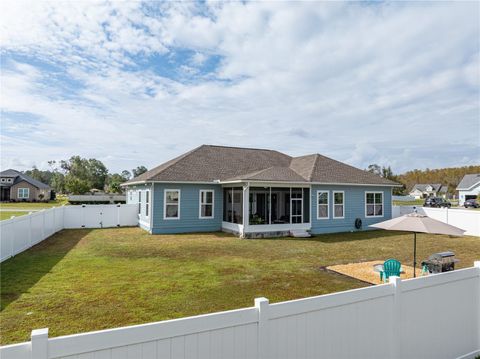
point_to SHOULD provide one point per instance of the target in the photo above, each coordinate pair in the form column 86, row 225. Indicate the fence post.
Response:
column 476, row 264
column 39, row 339
column 396, row 343
column 30, row 235
column 44, row 234
column 262, row 305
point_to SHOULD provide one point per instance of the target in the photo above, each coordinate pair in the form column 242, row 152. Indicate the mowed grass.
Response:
column 7, row 215
column 83, row 280
column 60, row 201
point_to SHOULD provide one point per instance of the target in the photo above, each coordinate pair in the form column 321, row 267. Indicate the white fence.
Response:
column 468, row 220
column 20, row 233
column 429, row 317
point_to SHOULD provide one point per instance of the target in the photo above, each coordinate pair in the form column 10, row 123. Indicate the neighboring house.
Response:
column 422, row 190
column 256, row 192
column 468, row 188
column 16, row 186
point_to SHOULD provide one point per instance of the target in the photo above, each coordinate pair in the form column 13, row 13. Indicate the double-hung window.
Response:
column 23, row 192
column 171, row 204
column 322, row 205
column 373, row 204
column 338, row 204
column 147, row 203
column 139, row 202
column 206, row 203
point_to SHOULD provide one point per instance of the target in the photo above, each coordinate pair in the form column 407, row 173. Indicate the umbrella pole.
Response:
column 414, row 253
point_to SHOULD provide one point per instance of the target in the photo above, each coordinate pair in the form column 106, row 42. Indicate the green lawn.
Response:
column 60, row 201
column 416, row 202
column 7, row 215
column 83, row 280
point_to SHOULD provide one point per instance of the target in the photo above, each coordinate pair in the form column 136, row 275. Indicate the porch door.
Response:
column 296, row 203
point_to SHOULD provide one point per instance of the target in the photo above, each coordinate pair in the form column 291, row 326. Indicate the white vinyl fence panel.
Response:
column 20, row 233
column 468, row 220
column 433, row 317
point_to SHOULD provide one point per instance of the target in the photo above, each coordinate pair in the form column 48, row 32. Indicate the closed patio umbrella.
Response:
column 418, row 223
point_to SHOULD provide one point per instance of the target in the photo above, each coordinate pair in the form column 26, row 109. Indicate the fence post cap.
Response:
column 261, row 300
column 37, row 333
column 395, row 280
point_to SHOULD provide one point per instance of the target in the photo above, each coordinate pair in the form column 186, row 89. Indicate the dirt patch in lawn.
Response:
column 364, row 271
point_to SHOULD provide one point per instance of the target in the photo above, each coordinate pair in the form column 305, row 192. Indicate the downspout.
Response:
column 246, row 218
column 152, row 191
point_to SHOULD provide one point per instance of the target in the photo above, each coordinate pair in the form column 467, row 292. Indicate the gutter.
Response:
column 265, row 181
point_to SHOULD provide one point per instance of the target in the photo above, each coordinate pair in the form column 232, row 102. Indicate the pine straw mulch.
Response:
column 364, row 271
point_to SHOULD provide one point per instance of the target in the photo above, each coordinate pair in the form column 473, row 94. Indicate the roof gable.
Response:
column 19, row 177
column 468, row 181
column 425, row 186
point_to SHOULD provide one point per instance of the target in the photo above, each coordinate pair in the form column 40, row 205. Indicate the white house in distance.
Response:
column 468, row 188
column 424, row 190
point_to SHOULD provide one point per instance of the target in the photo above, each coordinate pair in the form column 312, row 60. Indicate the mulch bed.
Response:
column 364, row 271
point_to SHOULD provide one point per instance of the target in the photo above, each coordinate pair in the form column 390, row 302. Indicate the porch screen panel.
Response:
column 233, row 205
column 227, row 205
column 306, row 205
column 280, row 205
column 259, row 205
column 237, row 205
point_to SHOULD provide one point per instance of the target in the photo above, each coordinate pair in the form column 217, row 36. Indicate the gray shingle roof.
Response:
column 272, row 174
column 19, row 177
column 468, row 181
column 422, row 186
column 208, row 163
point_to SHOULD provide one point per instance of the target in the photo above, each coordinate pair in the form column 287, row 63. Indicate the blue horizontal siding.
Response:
column 189, row 220
column 354, row 207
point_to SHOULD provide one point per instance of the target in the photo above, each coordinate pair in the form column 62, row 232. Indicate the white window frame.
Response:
column 147, row 203
column 333, row 204
column 200, row 204
column 139, row 199
column 165, row 203
column 328, row 204
column 383, row 205
column 22, row 196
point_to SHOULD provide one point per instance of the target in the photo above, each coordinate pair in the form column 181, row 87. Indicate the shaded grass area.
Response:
column 83, row 280
column 8, row 215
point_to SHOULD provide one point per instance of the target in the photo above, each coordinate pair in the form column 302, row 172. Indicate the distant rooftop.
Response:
column 19, row 177
column 468, row 181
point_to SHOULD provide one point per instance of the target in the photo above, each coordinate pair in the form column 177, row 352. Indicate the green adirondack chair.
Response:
column 391, row 267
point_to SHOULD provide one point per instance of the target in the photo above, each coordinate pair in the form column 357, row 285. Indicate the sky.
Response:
column 134, row 83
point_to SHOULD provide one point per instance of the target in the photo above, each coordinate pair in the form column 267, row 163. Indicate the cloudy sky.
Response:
column 134, row 83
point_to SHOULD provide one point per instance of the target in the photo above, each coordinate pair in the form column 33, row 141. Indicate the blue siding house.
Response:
column 258, row 193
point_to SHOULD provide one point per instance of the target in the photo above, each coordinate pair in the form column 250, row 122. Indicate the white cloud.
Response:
column 355, row 82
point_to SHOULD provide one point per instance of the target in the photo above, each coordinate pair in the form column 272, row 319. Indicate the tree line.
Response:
column 79, row 175
column 450, row 177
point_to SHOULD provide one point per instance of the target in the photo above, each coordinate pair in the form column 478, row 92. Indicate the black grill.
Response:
column 440, row 262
